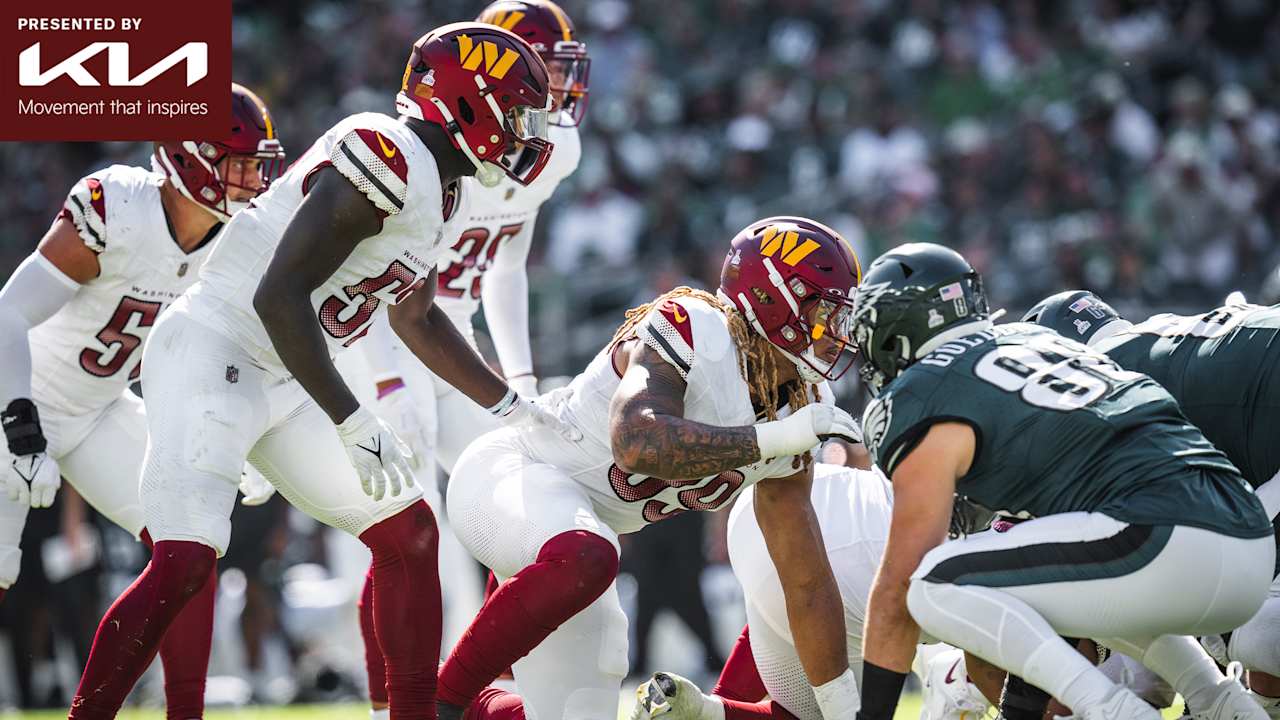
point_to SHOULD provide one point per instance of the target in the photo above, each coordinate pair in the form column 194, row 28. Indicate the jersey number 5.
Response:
column 343, row 317
column 708, row 494
column 118, row 342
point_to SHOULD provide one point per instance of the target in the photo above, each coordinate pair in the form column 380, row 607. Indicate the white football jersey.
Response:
column 694, row 337
column 499, row 219
column 386, row 161
column 83, row 357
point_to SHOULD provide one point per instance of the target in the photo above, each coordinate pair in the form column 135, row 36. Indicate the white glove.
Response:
column 400, row 412
column 800, row 431
column 33, row 479
column 254, row 487
column 524, row 385
column 515, row 411
column 376, row 453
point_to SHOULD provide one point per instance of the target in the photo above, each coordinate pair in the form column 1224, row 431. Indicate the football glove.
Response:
column 379, row 457
column 800, row 431
column 516, row 412
column 397, row 408
column 32, row 477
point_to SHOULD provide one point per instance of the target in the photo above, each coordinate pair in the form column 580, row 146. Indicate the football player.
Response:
column 1218, row 366
column 696, row 397
column 74, row 317
column 485, row 262
column 1127, row 501
column 853, row 508
column 240, row 367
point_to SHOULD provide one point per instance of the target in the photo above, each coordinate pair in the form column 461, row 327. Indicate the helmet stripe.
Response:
column 564, row 24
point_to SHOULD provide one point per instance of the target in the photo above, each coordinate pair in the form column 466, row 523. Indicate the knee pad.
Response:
column 593, row 558
column 1256, row 644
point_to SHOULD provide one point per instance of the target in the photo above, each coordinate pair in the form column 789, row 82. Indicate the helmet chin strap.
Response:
column 487, row 174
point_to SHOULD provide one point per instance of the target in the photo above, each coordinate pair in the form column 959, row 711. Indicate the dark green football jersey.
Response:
column 1061, row 428
column 1221, row 367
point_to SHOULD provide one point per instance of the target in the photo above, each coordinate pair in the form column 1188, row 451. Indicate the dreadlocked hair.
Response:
column 757, row 362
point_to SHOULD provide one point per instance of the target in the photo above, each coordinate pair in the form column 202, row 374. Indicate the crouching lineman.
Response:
column 696, row 397
column 1221, row 368
column 73, row 319
column 853, row 508
column 240, row 365
column 1128, row 499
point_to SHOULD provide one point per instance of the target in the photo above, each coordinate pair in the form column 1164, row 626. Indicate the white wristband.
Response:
column 503, row 406
column 839, row 699
column 789, row 436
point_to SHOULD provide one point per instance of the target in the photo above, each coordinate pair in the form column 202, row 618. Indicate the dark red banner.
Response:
column 129, row 70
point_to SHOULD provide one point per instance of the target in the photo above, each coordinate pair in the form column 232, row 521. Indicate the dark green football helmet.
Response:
column 909, row 296
column 1075, row 314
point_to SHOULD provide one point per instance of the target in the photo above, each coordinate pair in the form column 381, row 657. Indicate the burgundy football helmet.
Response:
column 550, row 32
column 490, row 92
column 196, row 169
column 794, row 279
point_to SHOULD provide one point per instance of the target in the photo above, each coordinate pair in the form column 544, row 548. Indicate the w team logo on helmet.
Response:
column 793, row 279
column 551, row 34
column 490, row 92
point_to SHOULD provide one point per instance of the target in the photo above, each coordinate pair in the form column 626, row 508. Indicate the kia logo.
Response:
column 195, row 55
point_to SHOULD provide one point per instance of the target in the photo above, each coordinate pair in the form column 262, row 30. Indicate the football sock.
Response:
column 380, row 714
column 1022, row 701
column 1004, row 630
column 184, row 650
column 495, row 704
column 572, row 570
column 375, row 665
column 1181, row 662
column 129, row 635
column 407, row 608
column 740, row 680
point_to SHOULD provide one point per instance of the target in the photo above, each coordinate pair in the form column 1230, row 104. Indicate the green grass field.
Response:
column 908, row 710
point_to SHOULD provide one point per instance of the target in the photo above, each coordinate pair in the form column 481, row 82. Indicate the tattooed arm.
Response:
column 650, row 435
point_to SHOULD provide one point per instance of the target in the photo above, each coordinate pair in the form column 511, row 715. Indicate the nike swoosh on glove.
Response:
column 519, row 412
column 379, row 457
column 33, row 479
column 800, row 431
column 400, row 412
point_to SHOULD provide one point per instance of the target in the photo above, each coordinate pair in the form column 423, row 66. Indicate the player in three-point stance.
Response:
column 1126, row 499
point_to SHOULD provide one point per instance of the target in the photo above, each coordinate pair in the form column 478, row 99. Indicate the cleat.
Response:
column 1233, row 701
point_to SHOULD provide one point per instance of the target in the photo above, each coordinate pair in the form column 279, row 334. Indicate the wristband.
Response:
column 21, row 421
column 790, row 436
column 881, row 688
column 503, row 406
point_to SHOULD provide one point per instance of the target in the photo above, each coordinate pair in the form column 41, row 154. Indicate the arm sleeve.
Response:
column 33, row 294
column 506, row 291
column 378, row 347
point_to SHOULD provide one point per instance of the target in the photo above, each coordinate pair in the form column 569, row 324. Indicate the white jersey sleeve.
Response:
column 391, row 166
column 86, row 208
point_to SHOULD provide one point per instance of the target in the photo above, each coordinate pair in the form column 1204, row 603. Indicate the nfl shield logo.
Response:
column 233, row 374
